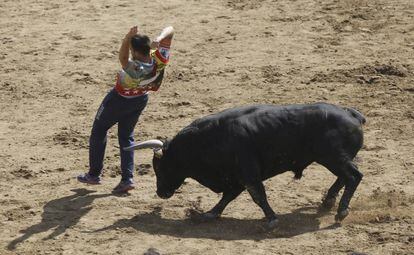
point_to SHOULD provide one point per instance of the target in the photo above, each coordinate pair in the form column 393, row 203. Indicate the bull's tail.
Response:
column 356, row 114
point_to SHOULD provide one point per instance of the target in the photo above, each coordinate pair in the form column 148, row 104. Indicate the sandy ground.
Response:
column 59, row 58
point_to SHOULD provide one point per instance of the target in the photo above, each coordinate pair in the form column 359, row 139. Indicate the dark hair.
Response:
column 141, row 43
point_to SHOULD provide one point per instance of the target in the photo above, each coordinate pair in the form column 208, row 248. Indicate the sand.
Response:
column 59, row 58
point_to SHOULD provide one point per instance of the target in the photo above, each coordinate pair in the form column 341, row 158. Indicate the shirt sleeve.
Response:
column 162, row 54
column 162, row 57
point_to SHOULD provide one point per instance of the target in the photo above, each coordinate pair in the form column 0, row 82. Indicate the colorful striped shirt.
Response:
column 137, row 78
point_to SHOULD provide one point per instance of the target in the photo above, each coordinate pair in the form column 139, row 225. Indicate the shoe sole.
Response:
column 125, row 190
column 88, row 182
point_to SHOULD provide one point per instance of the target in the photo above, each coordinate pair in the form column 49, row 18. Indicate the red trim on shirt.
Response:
column 165, row 43
column 160, row 57
column 132, row 92
column 127, row 92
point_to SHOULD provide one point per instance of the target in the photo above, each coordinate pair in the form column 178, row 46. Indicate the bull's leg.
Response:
column 250, row 172
column 258, row 194
column 352, row 177
column 330, row 198
column 228, row 196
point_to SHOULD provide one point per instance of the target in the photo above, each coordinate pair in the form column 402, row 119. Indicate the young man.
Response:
column 141, row 73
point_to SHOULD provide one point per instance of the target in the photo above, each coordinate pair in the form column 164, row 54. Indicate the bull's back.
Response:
column 290, row 130
column 254, row 121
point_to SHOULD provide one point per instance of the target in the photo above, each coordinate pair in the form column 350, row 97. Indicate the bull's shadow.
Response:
column 291, row 224
column 60, row 214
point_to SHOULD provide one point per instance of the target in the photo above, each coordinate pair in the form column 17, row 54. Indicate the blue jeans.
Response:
column 124, row 111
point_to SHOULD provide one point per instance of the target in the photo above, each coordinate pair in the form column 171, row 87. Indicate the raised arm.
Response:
column 164, row 39
column 124, row 50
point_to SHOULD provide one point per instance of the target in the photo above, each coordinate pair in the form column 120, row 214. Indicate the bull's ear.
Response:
column 158, row 153
column 166, row 144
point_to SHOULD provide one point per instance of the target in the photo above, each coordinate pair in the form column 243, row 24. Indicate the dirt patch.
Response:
column 244, row 4
column 71, row 138
column 365, row 74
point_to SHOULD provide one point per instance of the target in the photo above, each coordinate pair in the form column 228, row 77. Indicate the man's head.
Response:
column 140, row 46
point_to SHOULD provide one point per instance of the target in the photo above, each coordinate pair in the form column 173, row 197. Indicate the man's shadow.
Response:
column 61, row 213
column 298, row 222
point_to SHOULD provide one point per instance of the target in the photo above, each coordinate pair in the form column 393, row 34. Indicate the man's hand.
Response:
column 132, row 31
column 164, row 39
column 166, row 33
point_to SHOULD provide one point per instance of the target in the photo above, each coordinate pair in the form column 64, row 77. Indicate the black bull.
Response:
column 235, row 150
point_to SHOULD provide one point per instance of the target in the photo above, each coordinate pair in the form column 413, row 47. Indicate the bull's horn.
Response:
column 152, row 144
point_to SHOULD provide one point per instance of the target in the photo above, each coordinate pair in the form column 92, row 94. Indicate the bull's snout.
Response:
column 165, row 195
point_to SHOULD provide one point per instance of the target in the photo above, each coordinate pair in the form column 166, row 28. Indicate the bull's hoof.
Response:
column 341, row 215
column 272, row 224
column 327, row 205
column 198, row 216
column 210, row 216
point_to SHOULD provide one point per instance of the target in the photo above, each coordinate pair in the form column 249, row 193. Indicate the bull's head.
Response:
column 168, row 179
